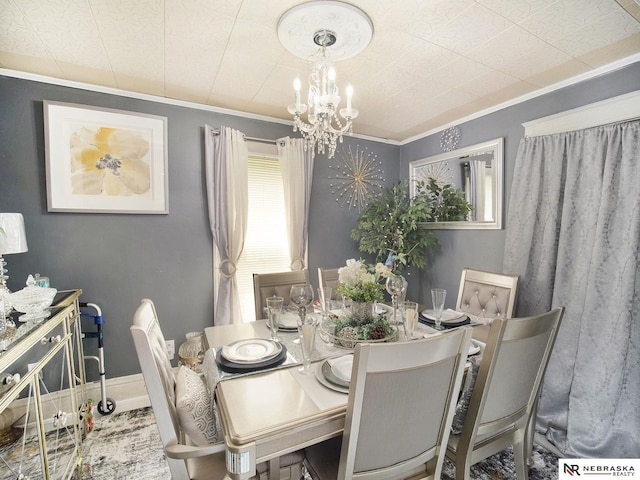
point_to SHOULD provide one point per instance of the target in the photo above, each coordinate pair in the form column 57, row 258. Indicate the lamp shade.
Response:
column 12, row 235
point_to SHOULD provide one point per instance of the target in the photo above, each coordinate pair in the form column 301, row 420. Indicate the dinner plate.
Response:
column 328, row 374
column 341, row 367
column 251, row 350
column 473, row 349
column 332, row 386
column 382, row 308
column 288, row 321
column 450, row 324
column 233, row 367
column 447, row 315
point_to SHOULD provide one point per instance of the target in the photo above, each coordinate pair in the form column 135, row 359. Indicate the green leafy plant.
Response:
column 390, row 223
column 448, row 204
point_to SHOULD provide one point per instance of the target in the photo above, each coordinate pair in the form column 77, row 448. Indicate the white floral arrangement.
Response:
column 362, row 283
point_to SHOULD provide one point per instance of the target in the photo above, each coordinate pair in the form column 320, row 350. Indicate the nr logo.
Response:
column 571, row 469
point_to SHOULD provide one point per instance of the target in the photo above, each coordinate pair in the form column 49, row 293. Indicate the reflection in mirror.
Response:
column 477, row 170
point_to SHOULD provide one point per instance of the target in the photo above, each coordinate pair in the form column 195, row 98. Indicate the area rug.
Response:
column 127, row 445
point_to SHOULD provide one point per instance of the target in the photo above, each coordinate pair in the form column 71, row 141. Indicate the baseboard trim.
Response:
column 128, row 393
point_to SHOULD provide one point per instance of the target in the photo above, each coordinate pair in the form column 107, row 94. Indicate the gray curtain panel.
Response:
column 573, row 234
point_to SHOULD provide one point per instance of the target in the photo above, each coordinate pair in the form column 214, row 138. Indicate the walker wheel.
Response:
column 110, row 407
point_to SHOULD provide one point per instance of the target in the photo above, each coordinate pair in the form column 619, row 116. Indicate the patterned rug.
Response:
column 127, row 445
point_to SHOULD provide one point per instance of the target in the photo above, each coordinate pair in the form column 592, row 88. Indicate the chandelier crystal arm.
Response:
column 323, row 127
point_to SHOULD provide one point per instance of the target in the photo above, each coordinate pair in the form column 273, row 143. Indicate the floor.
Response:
column 114, row 451
column 127, row 446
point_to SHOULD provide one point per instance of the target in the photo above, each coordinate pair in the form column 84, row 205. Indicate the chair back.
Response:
column 487, row 294
column 159, row 379
column 279, row 284
column 401, row 405
column 510, row 374
column 328, row 277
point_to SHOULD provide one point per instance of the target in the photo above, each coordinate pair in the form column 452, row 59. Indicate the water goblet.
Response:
column 274, row 307
column 395, row 284
column 438, row 296
column 326, row 326
column 307, row 327
column 346, row 305
column 409, row 317
column 324, row 299
column 301, row 295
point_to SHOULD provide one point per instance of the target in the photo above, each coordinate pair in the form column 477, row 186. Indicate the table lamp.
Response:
column 12, row 240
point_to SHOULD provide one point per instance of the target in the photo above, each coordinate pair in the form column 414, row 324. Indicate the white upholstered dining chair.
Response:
column 487, row 294
column 184, row 410
column 401, row 404
column 505, row 392
column 279, row 284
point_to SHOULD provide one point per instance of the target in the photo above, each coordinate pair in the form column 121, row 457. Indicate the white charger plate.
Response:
column 473, row 349
column 327, row 383
column 341, row 367
column 447, row 315
column 383, row 308
column 288, row 321
column 251, row 350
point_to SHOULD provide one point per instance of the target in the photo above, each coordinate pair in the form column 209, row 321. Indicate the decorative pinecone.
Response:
column 378, row 332
column 347, row 334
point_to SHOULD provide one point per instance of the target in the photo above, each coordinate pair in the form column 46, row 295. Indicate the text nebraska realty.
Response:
column 613, row 470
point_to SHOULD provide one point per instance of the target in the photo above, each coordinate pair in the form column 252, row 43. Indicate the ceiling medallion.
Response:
column 450, row 139
column 324, row 31
column 357, row 176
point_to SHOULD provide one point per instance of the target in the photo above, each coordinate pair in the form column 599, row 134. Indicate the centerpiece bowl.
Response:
column 348, row 331
column 33, row 302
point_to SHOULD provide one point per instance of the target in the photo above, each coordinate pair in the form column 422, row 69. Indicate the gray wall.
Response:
column 117, row 259
column 483, row 249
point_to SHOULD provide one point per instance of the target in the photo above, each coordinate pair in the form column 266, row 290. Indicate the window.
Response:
column 266, row 246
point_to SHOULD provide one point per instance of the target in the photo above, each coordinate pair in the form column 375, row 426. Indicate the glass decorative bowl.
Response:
column 33, row 302
column 353, row 337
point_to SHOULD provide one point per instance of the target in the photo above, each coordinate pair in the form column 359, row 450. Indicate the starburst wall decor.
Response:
column 357, row 175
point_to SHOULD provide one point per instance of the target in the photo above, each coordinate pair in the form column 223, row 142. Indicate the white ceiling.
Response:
column 430, row 62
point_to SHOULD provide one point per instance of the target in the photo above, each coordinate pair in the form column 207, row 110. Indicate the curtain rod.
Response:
column 253, row 139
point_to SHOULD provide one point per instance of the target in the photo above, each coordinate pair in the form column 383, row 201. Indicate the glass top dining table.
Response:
column 272, row 412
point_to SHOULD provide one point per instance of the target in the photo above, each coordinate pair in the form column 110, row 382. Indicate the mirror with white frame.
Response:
column 477, row 171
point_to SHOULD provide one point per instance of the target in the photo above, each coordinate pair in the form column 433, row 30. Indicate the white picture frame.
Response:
column 101, row 160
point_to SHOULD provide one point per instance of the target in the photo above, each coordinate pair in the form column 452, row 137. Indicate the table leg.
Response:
column 241, row 461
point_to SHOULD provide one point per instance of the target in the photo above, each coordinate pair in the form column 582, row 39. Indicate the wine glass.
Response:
column 395, row 284
column 301, row 295
column 274, row 307
column 438, row 296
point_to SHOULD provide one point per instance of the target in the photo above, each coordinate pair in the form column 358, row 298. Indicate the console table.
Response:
column 48, row 356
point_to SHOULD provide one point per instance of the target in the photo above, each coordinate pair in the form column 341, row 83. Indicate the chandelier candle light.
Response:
column 345, row 29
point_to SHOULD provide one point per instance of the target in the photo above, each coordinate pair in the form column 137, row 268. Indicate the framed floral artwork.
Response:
column 105, row 161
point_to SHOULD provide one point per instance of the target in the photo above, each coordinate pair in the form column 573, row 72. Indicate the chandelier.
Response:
column 323, row 127
column 312, row 30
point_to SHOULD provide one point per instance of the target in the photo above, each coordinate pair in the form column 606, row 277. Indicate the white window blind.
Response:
column 266, row 247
